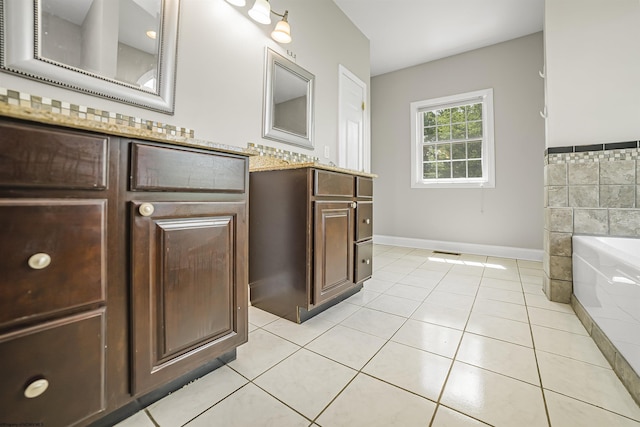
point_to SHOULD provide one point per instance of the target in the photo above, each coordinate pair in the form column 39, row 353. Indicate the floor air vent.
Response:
column 446, row 253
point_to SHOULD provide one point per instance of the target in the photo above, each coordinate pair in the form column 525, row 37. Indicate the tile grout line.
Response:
column 389, row 340
column 360, row 371
column 153, row 420
column 251, row 381
column 535, row 355
column 219, row 401
column 453, row 359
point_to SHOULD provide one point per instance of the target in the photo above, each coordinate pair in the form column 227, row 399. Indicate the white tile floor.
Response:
column 431, row 340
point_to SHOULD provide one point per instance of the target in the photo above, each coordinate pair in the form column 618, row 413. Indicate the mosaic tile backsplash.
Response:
column 593, row 156
column 276, row 153
column 22, row 99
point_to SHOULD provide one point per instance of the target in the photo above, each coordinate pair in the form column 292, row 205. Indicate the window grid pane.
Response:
column 460, row 157
column 444, row 170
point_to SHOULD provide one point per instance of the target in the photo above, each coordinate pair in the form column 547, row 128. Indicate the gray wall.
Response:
column 220, row 75
column 592, row 68
column 509, row 215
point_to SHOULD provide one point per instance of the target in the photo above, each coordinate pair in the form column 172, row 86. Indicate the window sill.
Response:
column 452, row 184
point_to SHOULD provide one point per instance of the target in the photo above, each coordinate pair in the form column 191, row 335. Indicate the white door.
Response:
column 352, row 149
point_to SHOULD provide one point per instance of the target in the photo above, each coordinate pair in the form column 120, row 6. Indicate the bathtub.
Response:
column 606, row 281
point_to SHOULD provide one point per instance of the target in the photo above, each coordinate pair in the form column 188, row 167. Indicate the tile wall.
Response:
column 37, row 103
column 592, row 190
column 276, row 153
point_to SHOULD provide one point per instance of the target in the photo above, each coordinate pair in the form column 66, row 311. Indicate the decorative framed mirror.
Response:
column 118, row 49
column 288, row 98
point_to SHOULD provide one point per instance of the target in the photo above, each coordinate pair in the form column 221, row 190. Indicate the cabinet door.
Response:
column 333, row 249
column 189, row 287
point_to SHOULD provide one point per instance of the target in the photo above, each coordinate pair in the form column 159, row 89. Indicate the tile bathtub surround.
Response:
column 37, row 104
column 608, row 351
column 588, row 190
column 427, row 342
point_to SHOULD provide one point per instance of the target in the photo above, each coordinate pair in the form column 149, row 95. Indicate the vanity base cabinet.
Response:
column 303, row 227
column 57, row 202
column 105, row 305
column 188, row 236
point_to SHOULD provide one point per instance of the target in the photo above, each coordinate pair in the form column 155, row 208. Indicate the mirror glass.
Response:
column 104, row 38
column 288, row 102
column 119, row 49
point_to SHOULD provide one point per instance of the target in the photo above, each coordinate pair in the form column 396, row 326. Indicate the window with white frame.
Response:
column 452, row 141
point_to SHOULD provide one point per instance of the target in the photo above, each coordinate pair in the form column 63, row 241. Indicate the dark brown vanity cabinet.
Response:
column 123, row 269
column 310, row 239
column 55, row 198
column 188, row 261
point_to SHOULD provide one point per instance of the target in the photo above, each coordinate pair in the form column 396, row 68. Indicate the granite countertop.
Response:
column 258, row 162
column 266, row 163
column 48, row 117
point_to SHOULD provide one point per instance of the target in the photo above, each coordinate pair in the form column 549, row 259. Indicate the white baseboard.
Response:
column 466, row 248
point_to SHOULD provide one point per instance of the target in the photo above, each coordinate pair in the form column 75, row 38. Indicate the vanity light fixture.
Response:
column 282, row 32
column 261, row 12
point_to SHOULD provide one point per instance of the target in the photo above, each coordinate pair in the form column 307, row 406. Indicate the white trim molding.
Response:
column 461, row 247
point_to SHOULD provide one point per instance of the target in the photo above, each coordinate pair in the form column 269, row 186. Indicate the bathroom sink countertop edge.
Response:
column 267, row 163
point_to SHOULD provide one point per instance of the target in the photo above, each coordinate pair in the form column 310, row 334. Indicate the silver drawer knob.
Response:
column 36, row 388
column 146, row 209
column 367, row 221
column 354, row 205
column 39, row 261
column 366, row 261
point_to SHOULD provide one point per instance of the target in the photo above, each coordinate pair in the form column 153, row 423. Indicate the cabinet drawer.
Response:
column 364, row 261
column 71, row 233
column 333, row 184
column 170, row 169
column 364, row 187
column 364, row 218
column 49, row 158
column 69, row 355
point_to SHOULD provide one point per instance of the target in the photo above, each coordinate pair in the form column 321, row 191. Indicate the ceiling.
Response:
column 403, row 33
